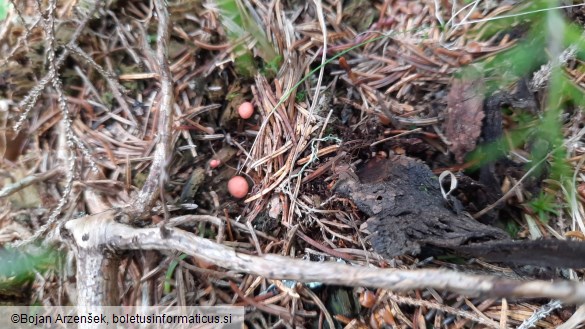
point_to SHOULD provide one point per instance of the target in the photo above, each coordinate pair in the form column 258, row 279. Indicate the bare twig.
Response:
column 511, row 191
column 28, row 181
column 540, row 314
column 104, row 230
column 162, row 153
column 423, row 303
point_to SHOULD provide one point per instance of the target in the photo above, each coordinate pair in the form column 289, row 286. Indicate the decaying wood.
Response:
column 402, row 197
column 407, row 212
column 464, row 113
column 545, row 253
column 105, row 232
column 97, row 268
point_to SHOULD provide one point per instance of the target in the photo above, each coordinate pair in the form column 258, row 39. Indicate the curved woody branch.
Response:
column 162, row 153
column 103, row 230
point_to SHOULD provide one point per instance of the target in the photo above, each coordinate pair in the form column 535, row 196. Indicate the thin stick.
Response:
column 29, row 180
column 103, row 230
column 162, row 153
column 511, row 191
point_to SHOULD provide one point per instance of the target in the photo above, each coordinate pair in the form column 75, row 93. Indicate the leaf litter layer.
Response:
column 334, row 85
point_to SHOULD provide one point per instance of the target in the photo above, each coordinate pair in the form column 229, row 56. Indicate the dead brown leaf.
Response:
column 465, row 113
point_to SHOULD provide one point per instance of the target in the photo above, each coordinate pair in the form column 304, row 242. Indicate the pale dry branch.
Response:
column 29, row 180
column 162, row 153
column 102, row 230
column 541, row 313
column 447, row 309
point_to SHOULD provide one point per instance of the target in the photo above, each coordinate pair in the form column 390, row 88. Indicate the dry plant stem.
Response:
column 29, row 180
column 162, row 153
column 504, row 313
column 21, row 39
column 540, row 314
column 447, row 309
column 319, row 304
column 316, row 101
column 31, row 98
column 103, row 230
column 511, row 191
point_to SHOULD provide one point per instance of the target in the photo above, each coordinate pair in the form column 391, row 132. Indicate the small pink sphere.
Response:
column 214, row 163
column 238, row 187
column 246, row 110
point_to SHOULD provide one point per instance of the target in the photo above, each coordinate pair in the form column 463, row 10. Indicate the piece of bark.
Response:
column 546, row 253
column 464, row 113
column 402, row 197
